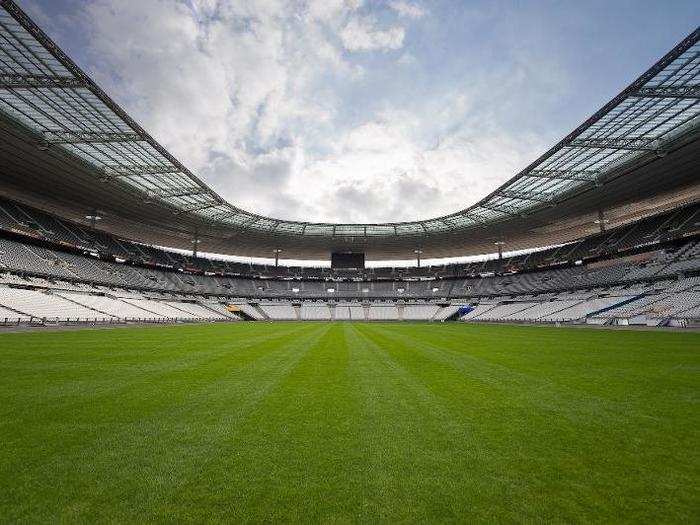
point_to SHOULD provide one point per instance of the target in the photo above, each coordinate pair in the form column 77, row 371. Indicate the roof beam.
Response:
column 219, row 215
column 468, row 214
column 524, row 196
column 447, row 221
column 232, row 213
column 688, row 91
column 139, row 169
column 474, row 217
column 181, row 192
column 89, row 137
column 500, row 208
column 197, row 207
column 253, row 219
column 618, row 143
column 26, row 81
column 573, row 175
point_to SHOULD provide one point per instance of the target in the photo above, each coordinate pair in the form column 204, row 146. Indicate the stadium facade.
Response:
column 618, row 198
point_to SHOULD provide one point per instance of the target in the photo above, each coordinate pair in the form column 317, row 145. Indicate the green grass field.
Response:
column 332, row 422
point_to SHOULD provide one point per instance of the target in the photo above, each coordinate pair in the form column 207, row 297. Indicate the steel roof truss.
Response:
column 618, row 143
column 197, row 207
column 182, row 192
column 139, row 169
column 571, row 175
column 525, row 196
column 30, row 81
column 689, row 92
column 89, row 137
column 500, row 208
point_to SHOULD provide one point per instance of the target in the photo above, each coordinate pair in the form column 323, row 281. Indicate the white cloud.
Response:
column 407, row 9
column 385, row 171
column 329, row 10
column 364, row 34
column 272, row 103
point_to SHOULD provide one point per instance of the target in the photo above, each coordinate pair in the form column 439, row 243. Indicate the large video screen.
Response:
column 347, row 260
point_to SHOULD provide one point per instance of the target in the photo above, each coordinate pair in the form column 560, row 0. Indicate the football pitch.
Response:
column 350, row 422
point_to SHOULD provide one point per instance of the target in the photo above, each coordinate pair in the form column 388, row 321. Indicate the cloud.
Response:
column 407, row 9
column 216, row 77
column 364, row 34
column 302, row 109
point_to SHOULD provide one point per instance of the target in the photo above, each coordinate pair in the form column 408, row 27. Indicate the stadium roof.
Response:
column 68, row 148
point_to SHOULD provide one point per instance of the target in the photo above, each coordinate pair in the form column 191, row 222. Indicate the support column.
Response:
column 277, row 252
column 195, row 244
column 601, row 221
column 499, row 244
column 418, row 253
column 93, row 218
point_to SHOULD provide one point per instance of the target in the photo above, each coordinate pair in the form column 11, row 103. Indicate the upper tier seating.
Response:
column 678, row 223
column 65, row 267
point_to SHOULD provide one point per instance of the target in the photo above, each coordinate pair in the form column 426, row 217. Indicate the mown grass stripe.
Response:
column 349, row 422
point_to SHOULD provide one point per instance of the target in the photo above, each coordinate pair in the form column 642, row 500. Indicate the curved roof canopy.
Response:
column 77, row 131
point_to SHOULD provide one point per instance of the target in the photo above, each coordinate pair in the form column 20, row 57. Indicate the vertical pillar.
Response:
column 418, row 253
column 601, row 221
column 195, row 244
column 93, row 218
column 499, row 244
column 93, row 221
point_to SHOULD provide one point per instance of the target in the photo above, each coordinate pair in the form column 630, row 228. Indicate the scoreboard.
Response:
column 348, row 260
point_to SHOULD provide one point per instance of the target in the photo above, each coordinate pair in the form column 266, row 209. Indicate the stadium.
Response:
column 150, row 373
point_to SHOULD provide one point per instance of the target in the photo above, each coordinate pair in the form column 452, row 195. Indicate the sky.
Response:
column 361, row 110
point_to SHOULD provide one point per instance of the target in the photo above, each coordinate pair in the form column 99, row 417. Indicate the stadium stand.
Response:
column 311, row 311
column 280, row 311
column 653, row 284
column 677, row 224
column 45, row 305
column 349, row 312
column 383, row 312
column 419, row 312
column 446, row 312
column 605, row 224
